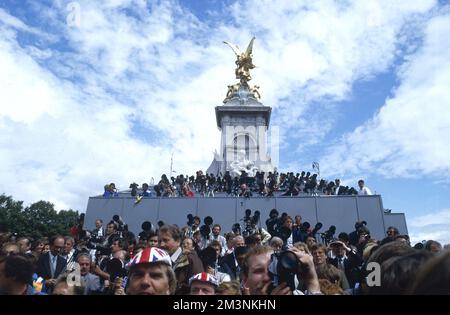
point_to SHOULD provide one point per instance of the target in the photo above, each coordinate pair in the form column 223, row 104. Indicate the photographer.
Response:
column 271, row 187
column 217, row 237
column 260, row 183
column 273, row 222
column 285, row 232
column 98, row 234
column 145, row 191
column 257, row 279
column 299, row 231
column 117, row 244
column 245, row 191
column 104, row 244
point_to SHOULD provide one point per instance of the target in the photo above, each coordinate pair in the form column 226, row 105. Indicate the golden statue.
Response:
column 244, row 64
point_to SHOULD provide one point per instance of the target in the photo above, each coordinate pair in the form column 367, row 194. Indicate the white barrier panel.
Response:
column 341, row 211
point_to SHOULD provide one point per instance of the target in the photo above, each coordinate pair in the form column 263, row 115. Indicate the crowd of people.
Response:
column 284, row 258
column 207, row 185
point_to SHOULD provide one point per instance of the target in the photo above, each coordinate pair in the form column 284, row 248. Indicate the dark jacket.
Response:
column 228, row 264
column 351, row 267
column 186, row 266
column 44, row 270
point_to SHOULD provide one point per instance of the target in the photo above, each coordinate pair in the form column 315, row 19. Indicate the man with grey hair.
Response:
column 91, row 283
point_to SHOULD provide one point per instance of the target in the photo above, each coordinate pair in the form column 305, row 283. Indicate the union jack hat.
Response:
column 150, row 255
column 204, row 277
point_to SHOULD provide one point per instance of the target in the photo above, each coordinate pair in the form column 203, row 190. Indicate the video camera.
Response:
column 121, row 226
column 283, row 267
column 147, row 229
column 316, row 229
column 205, row 230
column 273, row 222
column 250, row 222
column 114, row 268
column 190, row 218
column 328, row 235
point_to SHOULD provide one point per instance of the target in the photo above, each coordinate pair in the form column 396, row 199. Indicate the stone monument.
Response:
column 243, row 121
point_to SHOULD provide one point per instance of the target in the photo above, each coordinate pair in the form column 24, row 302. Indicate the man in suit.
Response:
column 91, row 282
column 51, row 264
column 232, row 263
column 346, row 260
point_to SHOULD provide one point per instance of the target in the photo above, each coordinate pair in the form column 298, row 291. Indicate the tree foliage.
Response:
column 37, row 220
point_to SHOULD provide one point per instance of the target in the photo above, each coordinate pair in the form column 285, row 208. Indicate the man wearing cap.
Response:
column 203, row 284
column 150, row 273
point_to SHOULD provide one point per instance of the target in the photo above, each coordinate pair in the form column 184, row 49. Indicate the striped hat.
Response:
column 150, row 255
column 204, row 277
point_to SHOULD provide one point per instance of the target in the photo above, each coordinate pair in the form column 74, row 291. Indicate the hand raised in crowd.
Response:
column 306, row 270
column 339, row 244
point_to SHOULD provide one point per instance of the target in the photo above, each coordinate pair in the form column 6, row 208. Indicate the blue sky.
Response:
column 99, row 91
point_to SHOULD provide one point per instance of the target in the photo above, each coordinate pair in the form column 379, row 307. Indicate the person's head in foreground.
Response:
column 65, row 285
column 150, row 273
column 203, row 284
column 16, row 272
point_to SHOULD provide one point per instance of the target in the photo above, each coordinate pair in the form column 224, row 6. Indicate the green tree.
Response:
column 37, row 220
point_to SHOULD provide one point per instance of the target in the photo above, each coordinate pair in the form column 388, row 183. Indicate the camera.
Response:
column 283, row 267
column 316, row 229
column 328, row 235
column 147, row 229
column 114, row 268
column 205, row 230
column 119, row 223
column 284, row 233
column 190, row 221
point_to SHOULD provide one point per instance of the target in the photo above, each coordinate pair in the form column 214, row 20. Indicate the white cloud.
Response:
column 407, row 136
column 67, row 115
column 440, row 217
column 431, row 226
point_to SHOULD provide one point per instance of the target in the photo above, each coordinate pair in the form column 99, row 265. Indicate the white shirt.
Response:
column 336, row 192
column 289, row 242
column 175, row 255
column 364, row 191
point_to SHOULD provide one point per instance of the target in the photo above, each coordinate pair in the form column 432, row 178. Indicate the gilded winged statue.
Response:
column 244, row 62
